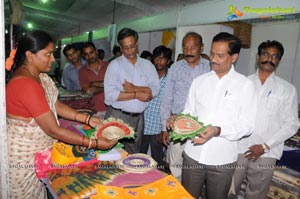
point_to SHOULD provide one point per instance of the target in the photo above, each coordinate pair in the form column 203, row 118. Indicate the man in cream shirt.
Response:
column 276, row 121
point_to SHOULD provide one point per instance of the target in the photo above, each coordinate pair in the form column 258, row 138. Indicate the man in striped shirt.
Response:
column 180, row 77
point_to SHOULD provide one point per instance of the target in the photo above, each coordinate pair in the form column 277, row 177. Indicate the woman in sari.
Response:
column 32, row 108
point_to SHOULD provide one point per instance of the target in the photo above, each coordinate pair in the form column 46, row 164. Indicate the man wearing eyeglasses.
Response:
column 276, row 121
column 130, row 83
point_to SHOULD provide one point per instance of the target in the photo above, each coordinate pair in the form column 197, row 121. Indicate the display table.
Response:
column 79, row 180
column 89, row 179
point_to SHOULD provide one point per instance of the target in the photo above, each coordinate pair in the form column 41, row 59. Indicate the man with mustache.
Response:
column 224, row 100
column 91, row 76
column 276, row 121
column 180, row 77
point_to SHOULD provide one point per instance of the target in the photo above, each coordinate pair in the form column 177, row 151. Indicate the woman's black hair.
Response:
column 32, row 41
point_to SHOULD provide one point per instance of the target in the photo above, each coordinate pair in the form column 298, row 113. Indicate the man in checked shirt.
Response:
column 180, row 76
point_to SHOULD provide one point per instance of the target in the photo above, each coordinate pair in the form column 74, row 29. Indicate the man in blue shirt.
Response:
column 130, row 83
column 152, row 129
column 70, row 73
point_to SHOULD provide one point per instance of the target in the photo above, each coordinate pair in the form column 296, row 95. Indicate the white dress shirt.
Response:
column 277, row 115
column 142, row 73
column 230, row 103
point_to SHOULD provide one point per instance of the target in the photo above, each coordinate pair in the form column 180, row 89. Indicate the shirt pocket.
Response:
column 230, row 106
column 273, row 106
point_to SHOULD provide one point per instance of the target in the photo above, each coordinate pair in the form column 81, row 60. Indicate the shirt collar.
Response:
column 100, row 62
column 230, row 73
column 124, row 59
column 201, row 62
column 269, row 79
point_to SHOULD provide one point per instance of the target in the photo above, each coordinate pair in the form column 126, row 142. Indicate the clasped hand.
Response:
column 129, row 87
column 141, row 95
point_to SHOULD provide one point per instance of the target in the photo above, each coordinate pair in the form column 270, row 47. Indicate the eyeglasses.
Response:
column 127, row 48
column 267, row 55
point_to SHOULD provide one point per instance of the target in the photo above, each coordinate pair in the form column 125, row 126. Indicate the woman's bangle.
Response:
column 88, row 122
column 85, row 119
column 96, row 144
column 82, row 142
column 90, row 143
column 75, row 118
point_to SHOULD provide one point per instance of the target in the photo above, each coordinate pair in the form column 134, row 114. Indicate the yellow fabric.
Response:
column 167, row 188
column 167, row 36
column 62, row 154
column 95, row 197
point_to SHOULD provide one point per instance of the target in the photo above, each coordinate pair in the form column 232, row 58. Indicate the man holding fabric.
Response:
column 225, row 100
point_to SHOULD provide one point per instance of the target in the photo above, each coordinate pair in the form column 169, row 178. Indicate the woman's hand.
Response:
column 95, row 121
column 104, row 143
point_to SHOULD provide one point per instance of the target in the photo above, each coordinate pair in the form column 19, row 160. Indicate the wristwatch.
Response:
column 265, row 147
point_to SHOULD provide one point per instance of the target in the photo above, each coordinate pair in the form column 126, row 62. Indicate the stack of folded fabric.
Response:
column 75, row 99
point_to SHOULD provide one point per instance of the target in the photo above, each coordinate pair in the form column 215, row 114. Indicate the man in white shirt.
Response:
column 225, row 100
column 276, row 121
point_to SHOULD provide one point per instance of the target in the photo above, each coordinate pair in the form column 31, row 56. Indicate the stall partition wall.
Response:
column 3, row 137
column 286, row 32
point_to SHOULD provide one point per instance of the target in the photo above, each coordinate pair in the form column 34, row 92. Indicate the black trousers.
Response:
column 156, row 148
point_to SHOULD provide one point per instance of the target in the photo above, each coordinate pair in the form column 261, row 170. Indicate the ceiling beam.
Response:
column 138, row 4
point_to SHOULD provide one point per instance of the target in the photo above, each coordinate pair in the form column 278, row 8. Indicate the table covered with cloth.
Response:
column 103, row 179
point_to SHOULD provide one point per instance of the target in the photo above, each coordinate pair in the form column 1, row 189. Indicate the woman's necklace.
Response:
column 32, row 73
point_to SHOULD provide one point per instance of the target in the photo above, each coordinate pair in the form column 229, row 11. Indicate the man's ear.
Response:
column 234, row 58
column 201, row 48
